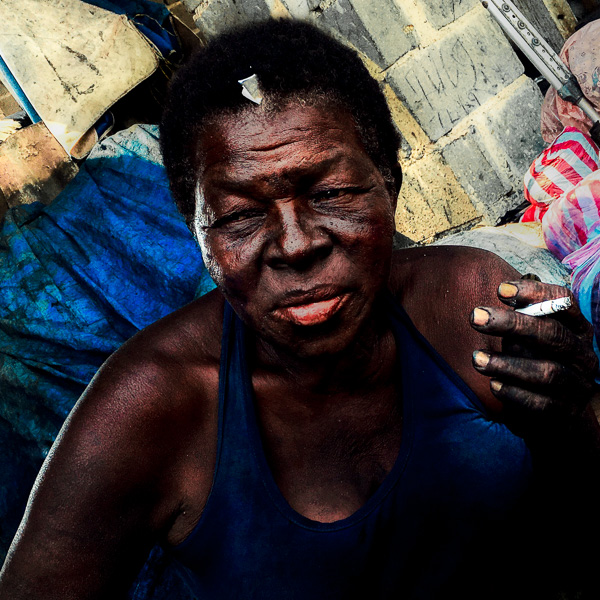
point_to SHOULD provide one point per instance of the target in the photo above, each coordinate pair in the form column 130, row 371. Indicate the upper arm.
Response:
column 439, row 286
column 94, row 511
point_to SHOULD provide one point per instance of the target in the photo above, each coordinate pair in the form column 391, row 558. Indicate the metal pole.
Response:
column 546, row 61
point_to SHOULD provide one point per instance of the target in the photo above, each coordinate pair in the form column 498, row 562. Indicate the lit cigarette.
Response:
column 547, row 307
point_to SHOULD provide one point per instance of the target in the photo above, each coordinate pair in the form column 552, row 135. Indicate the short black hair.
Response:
column 292, row 60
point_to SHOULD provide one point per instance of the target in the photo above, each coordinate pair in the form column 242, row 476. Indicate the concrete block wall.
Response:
column 468, row 114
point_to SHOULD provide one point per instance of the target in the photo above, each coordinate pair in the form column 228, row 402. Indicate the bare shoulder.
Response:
column 166, row 369
column 439, row 286
column 447, row 280
column 170, row 359
column 458, row 268
column 154, row 399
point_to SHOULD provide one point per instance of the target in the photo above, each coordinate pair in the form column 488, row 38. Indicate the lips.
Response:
column 311, row 308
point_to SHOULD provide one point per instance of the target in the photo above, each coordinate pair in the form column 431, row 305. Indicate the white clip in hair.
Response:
column 251, row 89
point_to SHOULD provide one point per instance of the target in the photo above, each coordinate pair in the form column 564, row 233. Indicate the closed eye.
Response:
column 235, row 218
column 333, row 193
column 328, row 194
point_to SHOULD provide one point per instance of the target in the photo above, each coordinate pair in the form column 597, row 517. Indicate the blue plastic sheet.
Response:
column 79, row 277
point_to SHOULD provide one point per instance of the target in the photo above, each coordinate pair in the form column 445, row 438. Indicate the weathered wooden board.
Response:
column 33, row 166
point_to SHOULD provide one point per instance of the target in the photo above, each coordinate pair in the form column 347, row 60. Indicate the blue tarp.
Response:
column 79, row 277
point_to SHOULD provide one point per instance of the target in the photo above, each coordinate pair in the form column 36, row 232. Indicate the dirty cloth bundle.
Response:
column 557, row 170
column 581, row 53
column 571, row 155
column 571, row 229
column 68, row 61
column 79, row 277
column 563, row 183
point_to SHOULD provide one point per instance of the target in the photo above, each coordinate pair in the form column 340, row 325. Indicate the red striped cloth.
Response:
column 571, row 157
column 574, row 220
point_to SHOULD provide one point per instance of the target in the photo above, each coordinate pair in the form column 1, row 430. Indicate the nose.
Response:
column 297, row 240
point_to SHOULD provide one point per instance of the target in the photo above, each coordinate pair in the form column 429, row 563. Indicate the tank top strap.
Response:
column 415, row 355
column 235, row 395
column 234, row 470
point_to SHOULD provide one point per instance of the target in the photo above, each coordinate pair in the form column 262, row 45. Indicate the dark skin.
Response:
column 296, row 224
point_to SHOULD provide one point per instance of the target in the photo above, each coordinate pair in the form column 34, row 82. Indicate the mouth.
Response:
column 309, row 311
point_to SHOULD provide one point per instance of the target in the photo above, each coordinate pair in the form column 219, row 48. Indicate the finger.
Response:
column 536, row 333
column 524, row 292
column 527, row 372
column 530, row 276
column 517, row 396
column 519, row 327
column 532, row 402
column 529, row 291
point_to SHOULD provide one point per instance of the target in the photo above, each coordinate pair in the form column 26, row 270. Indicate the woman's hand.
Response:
column 547, row 365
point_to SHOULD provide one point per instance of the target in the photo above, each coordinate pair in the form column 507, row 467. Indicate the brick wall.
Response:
column 468, row 114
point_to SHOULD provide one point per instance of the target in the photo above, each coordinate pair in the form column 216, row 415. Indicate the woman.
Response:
column 294, row 433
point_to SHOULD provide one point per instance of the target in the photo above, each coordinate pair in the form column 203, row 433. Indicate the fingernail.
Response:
column 507, row 290
column 481, row 359
column 495, row 385
column 480, row 316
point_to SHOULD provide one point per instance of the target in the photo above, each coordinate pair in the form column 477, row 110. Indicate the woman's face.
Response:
column 295, row 223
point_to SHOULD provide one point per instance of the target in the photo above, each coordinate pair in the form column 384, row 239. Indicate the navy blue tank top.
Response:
column 447, row 500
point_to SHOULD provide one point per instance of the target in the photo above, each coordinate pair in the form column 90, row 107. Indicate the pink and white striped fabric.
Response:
column 571, row 157
column 571, row 229
column 563, row 183
column 573, row 221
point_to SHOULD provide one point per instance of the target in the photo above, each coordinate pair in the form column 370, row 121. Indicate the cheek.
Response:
column 210, row 258
column 372, row 246
column 387, row 224
column 373, row 229
column 232, row 265
column 388, row 213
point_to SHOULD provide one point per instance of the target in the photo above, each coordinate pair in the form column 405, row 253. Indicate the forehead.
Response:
column 258, row 142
